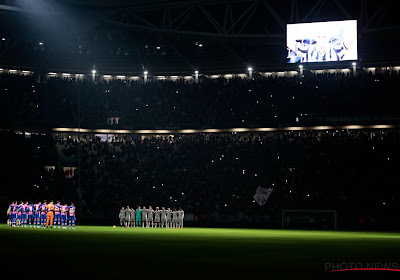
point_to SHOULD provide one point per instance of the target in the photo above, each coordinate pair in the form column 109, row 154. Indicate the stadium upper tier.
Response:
column 312, row 99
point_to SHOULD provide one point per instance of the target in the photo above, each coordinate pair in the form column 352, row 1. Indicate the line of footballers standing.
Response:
column 41, row 215
column 147, row 217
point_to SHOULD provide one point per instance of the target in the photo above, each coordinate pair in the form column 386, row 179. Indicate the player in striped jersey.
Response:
column 15, row 214
column 57, row 214
column 64, row 218
column 43, row 214
column 31, row 209
column 72, row 218
column 36, row 208
column 24, row 215
column 19, row 214
column 10, row 213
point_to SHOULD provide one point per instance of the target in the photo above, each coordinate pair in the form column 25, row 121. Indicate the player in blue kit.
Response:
column 71, row 216
column 57, row 214
column 36, row 209
column 19, row 214
column 10, row 213
column 43, row 214
column 14, row 214
column 30, row 214
column 64, row 218
column 24, row 215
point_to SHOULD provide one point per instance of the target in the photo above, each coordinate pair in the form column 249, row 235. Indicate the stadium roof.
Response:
column 166, row 37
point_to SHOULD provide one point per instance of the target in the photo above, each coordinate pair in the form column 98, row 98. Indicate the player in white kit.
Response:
column 169, row 218
column 133, row 217
column 144, row 216
column 163, row 214
column 157, row 217
column 150, row 217
column 127, row 216
column 174, row 218
column 181, row 215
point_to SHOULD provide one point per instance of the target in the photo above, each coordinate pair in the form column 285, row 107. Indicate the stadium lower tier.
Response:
column 214, row 177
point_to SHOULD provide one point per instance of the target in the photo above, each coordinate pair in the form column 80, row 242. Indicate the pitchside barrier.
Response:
column 309, row 219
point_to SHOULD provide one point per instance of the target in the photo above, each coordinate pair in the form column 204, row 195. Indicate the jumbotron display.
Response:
column 322, row 41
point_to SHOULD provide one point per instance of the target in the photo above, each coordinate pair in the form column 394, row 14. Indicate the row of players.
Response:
column 41, row 214
column 130, row 217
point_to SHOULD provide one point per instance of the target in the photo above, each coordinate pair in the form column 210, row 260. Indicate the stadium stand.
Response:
column 315, row 99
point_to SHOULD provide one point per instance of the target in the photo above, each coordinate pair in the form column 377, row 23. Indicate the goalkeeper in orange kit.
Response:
column 50, row 214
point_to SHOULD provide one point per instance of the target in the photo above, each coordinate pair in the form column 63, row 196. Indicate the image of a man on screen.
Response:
column 321, row 42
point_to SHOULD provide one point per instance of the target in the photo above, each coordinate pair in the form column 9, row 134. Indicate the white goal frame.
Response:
column 310, row 211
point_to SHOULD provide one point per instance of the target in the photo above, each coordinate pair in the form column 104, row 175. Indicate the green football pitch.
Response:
column 199, row 252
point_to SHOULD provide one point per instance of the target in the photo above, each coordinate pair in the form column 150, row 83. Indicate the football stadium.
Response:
column 221, row 138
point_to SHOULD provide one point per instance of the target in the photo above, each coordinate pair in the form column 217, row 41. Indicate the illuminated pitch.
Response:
column 201, row 253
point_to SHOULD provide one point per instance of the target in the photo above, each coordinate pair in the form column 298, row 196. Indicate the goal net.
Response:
column 309, row 219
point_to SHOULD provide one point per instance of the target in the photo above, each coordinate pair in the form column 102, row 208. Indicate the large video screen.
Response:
column 322, row 41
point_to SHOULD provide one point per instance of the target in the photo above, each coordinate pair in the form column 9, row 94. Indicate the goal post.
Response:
column 309, row 219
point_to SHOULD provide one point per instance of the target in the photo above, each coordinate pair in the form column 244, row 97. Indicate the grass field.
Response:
column 199, row 252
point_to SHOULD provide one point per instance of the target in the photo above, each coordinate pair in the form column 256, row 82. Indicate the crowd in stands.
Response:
column 264, row 101
column 237, row 102
column 351, row 171
column 19, row 100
